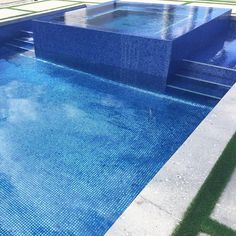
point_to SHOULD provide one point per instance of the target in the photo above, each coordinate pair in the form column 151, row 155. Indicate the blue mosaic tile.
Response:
column 76, row 149
column 136, row 44
column 124, row 58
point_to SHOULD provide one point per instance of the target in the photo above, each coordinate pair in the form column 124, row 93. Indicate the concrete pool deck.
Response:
column 162, row 203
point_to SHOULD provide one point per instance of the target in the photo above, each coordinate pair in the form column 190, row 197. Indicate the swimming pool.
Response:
column 76, row 145
column 76, row 149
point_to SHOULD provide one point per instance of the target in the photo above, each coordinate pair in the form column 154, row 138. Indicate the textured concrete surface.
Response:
column 28, row 14
column 163, row 202
column 233, row 7
column 225, row 210
column 15, row 2
column 5, row 13
column 153, row 1
column 43, row 6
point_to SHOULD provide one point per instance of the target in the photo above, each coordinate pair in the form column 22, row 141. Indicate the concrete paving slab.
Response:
column 158, row 1
column 93, row 1
column 44, row 6
column 225, row 210
column 15, row 2
column 7, row 13
column 149, row 220
column 233, row 7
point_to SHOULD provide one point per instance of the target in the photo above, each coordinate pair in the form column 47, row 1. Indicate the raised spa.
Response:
column 133, row 43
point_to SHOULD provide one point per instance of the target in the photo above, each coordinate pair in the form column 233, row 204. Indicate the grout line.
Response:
column 186, row 3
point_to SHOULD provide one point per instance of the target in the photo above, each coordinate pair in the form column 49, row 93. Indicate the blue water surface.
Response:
column 75, row 150
column 162, row 21
column 221, row 52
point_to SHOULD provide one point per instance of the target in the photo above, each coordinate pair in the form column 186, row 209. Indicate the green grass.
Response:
column 213, row 1
column 196, row 218
column 213, row 227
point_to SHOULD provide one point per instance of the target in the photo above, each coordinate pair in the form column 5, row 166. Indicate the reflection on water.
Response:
column 76, row 150
column 221, row 52
column 160, row 21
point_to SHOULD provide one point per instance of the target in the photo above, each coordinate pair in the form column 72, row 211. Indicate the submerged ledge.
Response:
column 161, row 205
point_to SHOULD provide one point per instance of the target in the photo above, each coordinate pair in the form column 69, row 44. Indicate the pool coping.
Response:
column 160, row 206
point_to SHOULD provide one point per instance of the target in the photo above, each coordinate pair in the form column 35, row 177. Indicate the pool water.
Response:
column 221, row 52
column 136, row 22
column 76, row 149
column 165, row 22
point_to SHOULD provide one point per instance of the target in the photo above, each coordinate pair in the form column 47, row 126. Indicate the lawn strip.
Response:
column 214, row 228
column 204, row 202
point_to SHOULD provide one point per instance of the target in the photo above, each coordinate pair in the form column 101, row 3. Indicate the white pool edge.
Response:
column 160, row 206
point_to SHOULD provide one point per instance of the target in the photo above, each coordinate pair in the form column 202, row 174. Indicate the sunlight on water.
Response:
column 75, row 150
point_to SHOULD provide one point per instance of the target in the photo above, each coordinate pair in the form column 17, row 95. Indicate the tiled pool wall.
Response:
column 198, row 39
column 233, row 23
column 140, row 61
column 10, row 31
column 120, row 57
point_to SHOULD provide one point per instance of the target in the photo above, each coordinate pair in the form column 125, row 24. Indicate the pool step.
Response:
column 192, row 96
column 19, row 47
column 26, row 33
column 29, row 40
column 208, row 72
column 233, row 23
column 228, row 82
column 208, row 82
column 205, row 80
column 20, row 44
column 23, row 43
column 198, row 86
